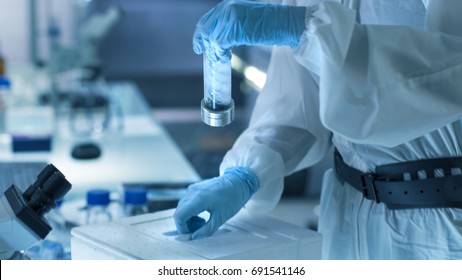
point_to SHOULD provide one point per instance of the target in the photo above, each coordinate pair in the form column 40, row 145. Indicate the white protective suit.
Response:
column 382, row 81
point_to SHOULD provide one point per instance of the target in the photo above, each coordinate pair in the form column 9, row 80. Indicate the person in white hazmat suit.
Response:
column 381, row 80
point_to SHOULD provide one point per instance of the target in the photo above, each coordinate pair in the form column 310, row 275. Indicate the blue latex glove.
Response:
column 237, row 22
column 221, row 196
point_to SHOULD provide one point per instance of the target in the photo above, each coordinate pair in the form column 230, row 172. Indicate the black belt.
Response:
column 399, row 185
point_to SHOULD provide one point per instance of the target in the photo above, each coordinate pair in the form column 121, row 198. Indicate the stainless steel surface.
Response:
column 217, row 118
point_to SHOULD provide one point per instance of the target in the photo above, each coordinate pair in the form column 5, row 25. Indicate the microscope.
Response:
column 22, row 221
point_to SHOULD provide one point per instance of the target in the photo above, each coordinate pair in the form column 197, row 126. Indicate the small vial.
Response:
column 97, row 207
column 5, row 94
column 135, row 201
column 217, row 105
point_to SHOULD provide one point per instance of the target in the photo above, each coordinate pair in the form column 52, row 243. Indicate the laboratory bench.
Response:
column 135, row 150
column 142, row 151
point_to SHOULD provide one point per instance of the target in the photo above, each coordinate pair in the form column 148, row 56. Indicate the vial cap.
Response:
column 4, row 82
column 59, row 202
column 98, row 197
column 135, row 195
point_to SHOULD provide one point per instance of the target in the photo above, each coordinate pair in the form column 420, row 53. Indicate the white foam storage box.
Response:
column 153, row 237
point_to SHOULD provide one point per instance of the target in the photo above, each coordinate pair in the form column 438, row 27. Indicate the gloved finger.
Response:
column 195, row 223
column 202, row 44
column 198, row 41
column 207, row 230
column 183, row 213
column 201, row 29
column 216, row 53
column 223, row 54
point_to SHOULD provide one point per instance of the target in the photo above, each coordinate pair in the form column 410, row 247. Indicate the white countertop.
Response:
column 142, row 152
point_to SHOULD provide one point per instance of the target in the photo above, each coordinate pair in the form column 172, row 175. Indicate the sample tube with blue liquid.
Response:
column 217, row 105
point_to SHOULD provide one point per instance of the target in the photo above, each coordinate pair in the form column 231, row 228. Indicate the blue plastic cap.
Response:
column 59, row 202
column 135, row 195
column 4, row 82
column 98, row 197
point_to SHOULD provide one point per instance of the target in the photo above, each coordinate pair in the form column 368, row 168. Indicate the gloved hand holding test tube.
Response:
column 221, row 29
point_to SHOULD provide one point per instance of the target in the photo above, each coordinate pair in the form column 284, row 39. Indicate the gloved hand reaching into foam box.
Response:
column 221, row 196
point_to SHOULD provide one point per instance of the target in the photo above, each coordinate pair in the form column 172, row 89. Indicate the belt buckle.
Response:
column 368, row 185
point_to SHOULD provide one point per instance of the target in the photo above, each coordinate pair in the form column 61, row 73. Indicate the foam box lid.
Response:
column 153, row 236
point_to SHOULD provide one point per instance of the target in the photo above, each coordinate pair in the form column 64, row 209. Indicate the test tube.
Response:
column 217, row 107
